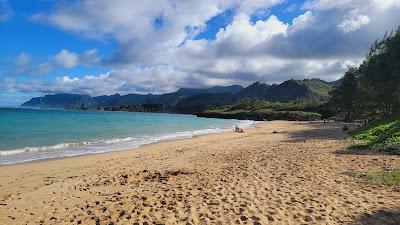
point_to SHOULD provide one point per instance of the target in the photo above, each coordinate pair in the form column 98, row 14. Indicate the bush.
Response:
column 382, row 135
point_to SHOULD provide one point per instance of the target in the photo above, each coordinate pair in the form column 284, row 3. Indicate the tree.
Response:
column 381, row 75
column 373, row 89
column 343, row 100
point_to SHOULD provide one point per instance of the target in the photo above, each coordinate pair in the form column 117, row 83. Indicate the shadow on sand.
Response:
column 321, row 131
column 350, row 151
column 382, row 217
column 333, row 131
column 330, row 131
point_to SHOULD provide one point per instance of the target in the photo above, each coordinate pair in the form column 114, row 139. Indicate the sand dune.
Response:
column 300, row 175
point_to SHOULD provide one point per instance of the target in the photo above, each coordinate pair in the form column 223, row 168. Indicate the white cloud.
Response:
column 21, row 63
column 23, row 59
column 386, row 4
column 303, row 21
column 24, row 65
column 90, row 57
column 320, row 42
column 163, row 79
column 241, row 35
column 252, row 6
column 66, row 59
column 159, row 79
column 127, row 21
column 324, row 5
column 353, row 24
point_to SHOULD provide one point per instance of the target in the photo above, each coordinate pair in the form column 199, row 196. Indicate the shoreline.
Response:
column 277, row 172
column 251, row 125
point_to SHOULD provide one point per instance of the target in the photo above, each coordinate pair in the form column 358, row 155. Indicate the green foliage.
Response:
column 261, row 115
column 151, row 107
column 388, row 178
column 249, row 104
column 380, row 135
column 373, row 89
column 319, row 88
column 199, row 103
column 345, row 97
column 260, row 109
column 257, row 105
column 287, row 91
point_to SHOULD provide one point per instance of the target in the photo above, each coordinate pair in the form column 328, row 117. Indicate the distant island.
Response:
column 291, row 100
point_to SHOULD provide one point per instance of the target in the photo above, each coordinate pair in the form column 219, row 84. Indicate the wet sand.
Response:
column 303, row 174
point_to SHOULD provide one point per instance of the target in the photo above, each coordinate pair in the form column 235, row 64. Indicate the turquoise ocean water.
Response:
column 31, row 134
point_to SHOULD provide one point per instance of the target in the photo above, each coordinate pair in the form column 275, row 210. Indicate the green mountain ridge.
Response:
column 187, row 100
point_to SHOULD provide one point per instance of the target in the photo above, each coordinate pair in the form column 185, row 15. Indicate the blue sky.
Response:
column 103, row 47
column 41, row 40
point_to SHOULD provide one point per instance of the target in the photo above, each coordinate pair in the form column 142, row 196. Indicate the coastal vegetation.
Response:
column 371, row 90
column 257, row 109
column 383, row 134
column 388, row 178
column 261, row 115
column 151, row 107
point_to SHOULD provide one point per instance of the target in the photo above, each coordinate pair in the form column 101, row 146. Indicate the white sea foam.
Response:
column 38, row 149
column 100, row 146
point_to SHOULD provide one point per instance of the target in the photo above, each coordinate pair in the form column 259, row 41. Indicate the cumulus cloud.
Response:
column 90, row 57
column 126, row 20
column 159, row 79
column 66, row 59
column 241, row 36
column 303, row 21
column 24, row 65
column 156, row 49
column 353, row 24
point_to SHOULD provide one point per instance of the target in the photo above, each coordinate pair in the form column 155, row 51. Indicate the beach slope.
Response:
column 300, row 174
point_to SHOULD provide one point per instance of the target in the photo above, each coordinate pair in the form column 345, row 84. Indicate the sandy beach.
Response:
column 300, row 174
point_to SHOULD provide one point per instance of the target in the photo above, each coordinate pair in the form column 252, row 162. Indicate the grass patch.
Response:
column 388, row 178
column 383, row 135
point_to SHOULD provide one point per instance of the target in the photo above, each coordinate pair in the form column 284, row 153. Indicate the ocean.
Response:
column 33, row 134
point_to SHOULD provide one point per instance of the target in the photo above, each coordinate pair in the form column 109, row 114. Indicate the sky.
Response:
column 99, row 47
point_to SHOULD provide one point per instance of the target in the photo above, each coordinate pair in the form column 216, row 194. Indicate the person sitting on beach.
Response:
column 238, row 129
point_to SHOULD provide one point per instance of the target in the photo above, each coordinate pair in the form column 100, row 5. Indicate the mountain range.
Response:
column 187, row 100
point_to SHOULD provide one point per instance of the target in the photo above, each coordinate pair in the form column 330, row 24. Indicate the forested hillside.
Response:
column 187, row 100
